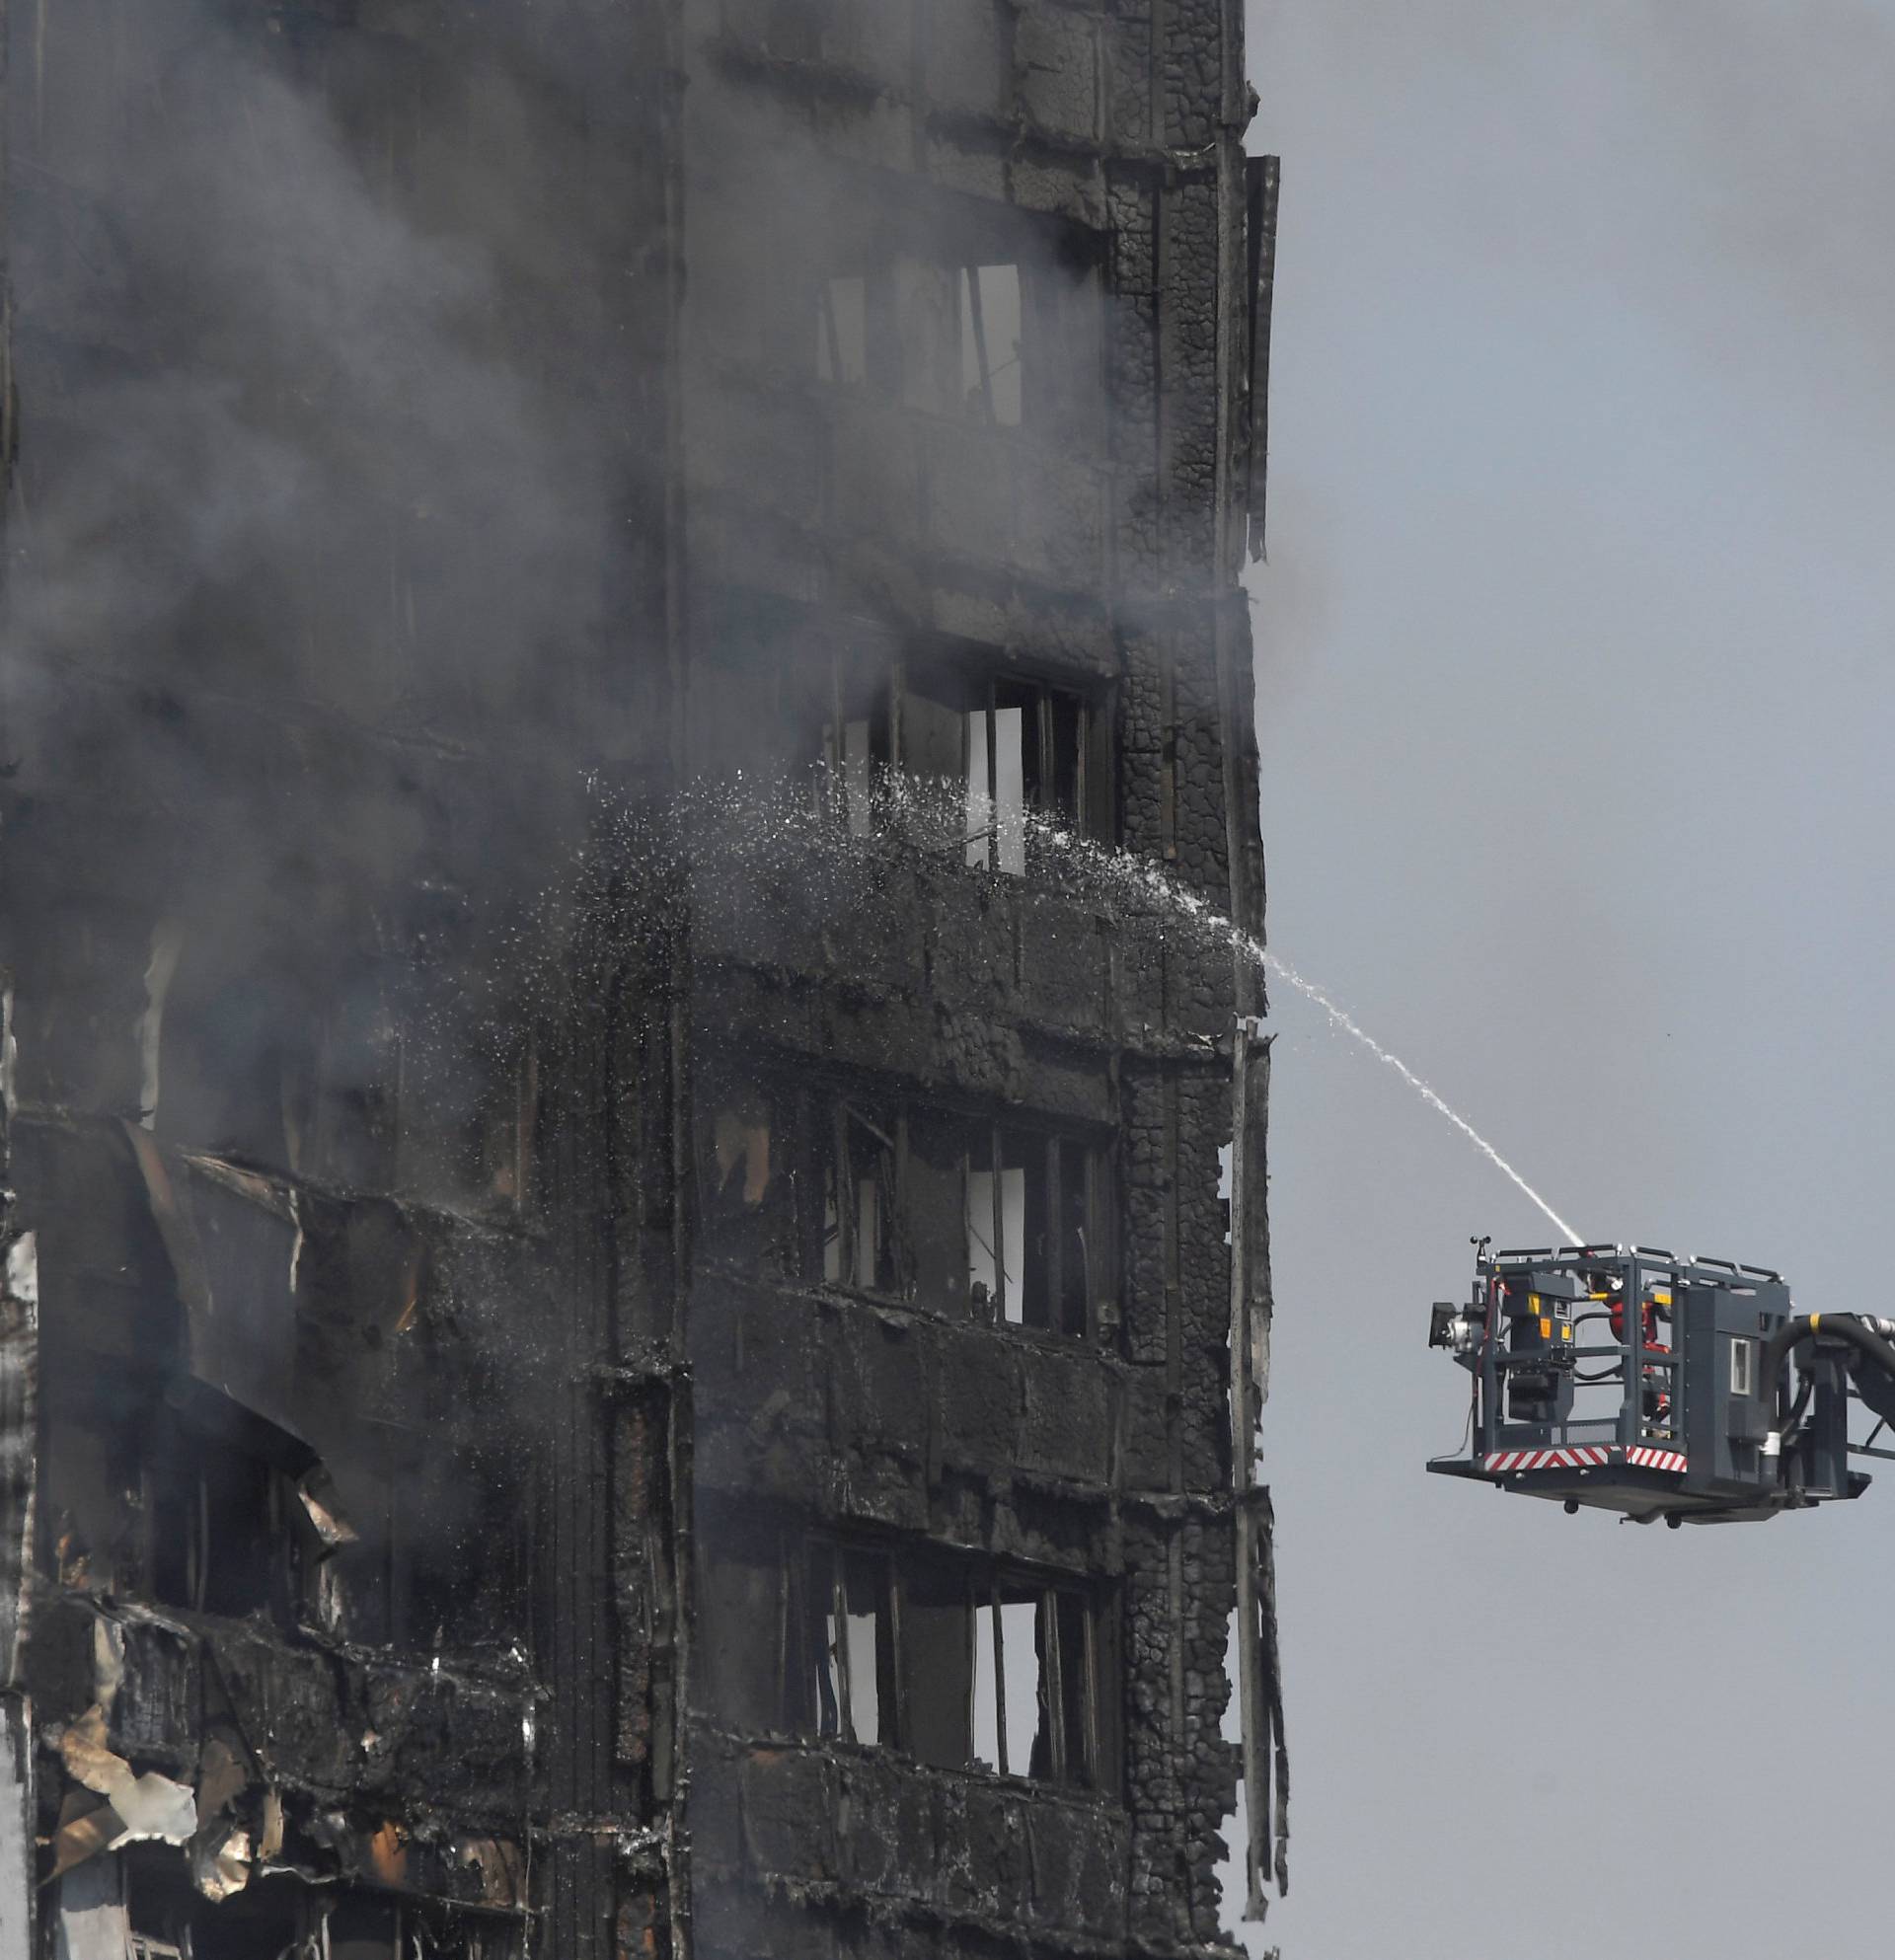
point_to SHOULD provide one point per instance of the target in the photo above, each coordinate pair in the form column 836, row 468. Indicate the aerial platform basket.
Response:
column 1628, row 1380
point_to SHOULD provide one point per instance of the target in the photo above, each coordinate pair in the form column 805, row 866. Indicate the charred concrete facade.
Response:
column 621, row 1337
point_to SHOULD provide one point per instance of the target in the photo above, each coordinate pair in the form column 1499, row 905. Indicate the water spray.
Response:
column 1340, row 1019
column 1144, row 877
column 811, row 836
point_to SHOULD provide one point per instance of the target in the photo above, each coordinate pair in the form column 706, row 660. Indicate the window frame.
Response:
column 825, row 1139
column 1096, row 1182
column 1060, row 271
column 1743, row 1366
column 843, row 1183
column 1068, row 1610
column 1043, row 699
column 873, row 704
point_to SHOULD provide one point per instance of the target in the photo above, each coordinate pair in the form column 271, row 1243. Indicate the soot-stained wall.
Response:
column 618, row 1324
column 966, row 403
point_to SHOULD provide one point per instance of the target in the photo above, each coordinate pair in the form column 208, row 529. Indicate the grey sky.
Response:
column 1575, row 703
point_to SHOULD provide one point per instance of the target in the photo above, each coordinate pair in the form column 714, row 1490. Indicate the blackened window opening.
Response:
column 1001, row 325
column 858, row 344
column 855, row 745
column 990, row 753
column 860, row 1203
column 1027, row 749
column 850, row 1645
column 223, row 1531
column 990, row 343
column 998, row 1223
column 956, row 1661
column 1033, row 1201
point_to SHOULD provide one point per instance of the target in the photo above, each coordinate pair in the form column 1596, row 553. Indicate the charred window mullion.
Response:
column 955, row 1660
column 970, row 276
column 1055, row 1228
column 1089, row 1628
column 784, row 1659
column 1082, row 768
column 1044, row 796
column 900, row 1240
column 890, row 1685
column 997, row 1157
column 971, row 1637
column 840, row 1219
column 992, row 715
column 829, row 350
column 839, row 1645
column 1000, row 1677
column 1052, row 1699
column 1091, row 1214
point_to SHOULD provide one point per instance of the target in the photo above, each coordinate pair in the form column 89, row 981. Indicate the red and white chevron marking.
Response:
column 1581, row 1457
column 1584, row 1455
column 1658, row 1460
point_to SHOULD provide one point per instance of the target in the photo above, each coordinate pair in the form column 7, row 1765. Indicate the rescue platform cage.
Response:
column 1628, row 1377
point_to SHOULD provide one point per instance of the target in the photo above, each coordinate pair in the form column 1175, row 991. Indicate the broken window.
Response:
column 1029, row 328
column 857, row 345
column 1007, row 1222
column 996, row 1234
column 842, row 330
column 1029, row 748
column 224, row 1531
column 934, row 1207
column 743, row 1599
column 1062, row 341
column 854, row 752
column 365, row 1929
column 958, row 1661
column 91, row 1515
column 1036, row 1704
column 1000, row 322
column 1036, row 1209
column 990, row 326
column 164, row 1916
column 747, row 1184
column 937, row 1671
column 997, row 751
column 802, row 1184
column 996, row 812
column 855, row 740
column 1007, row 750
column 859, row 1209
column 362, row 1927
column 741, row 1143
column 851, row 1642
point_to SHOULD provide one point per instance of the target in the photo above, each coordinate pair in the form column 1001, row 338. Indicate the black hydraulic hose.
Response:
column 1868, row 1337
column 1798, row 1404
